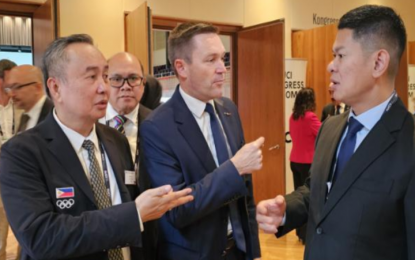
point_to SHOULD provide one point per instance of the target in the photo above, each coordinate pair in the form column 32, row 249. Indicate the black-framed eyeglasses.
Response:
column 133, row 81
column 16, row 87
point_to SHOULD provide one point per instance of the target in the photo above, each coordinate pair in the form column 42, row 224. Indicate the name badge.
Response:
column 130, row 178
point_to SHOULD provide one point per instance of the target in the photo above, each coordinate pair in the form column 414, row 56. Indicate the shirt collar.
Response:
column 195, row 106
column 74, row 137
column 36, row 108
column 132, row 116
column 369, row 118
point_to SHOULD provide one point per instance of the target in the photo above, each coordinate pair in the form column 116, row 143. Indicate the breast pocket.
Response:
column 374, row 186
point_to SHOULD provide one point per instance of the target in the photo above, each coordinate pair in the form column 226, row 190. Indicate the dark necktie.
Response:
column 222, row 156
column 338, row 107
column 99, row 190
column 23, row 122
column 119, row 123
column 347, row 147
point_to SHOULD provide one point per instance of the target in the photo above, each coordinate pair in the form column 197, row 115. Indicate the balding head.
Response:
column 124, row 98
column 25, row 86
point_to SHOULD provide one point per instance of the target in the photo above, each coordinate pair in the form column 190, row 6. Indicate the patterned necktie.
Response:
column 222, row 156
column 119, row 123
column 347, row 147
column 23, row 123
column 99, row 190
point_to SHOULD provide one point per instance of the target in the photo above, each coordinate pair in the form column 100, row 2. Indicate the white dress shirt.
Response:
column 34, row 113
column 76, row 141
column 6, row 120
column 130, row 125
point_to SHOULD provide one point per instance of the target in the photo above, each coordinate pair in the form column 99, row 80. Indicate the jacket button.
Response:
column 319, row 231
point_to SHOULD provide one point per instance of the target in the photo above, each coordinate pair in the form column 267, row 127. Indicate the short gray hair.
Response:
column 55, row 56
column 5, row 65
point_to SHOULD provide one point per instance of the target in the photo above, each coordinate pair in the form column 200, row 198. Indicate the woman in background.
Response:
column 304, row 126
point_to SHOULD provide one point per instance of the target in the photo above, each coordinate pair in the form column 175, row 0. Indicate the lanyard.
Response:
column 105, row 170
column 13, row 124
column 388, row 106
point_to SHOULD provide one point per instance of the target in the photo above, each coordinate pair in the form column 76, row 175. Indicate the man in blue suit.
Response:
column 196, row 140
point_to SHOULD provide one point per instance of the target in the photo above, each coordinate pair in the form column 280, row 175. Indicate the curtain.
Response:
column 15, row 31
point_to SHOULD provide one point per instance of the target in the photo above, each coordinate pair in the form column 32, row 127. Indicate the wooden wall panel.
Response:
column 401, row 81
column 43, row 30
column 411, row 52
column 315, row 46
column 261, row 101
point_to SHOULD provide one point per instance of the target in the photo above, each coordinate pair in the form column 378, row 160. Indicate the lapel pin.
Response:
column 227, row 113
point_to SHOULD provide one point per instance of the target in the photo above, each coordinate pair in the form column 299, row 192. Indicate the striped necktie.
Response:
column 119, row 123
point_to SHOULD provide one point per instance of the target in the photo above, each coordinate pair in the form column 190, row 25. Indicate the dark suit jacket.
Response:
column 150, row 233
column 175, row 152
column 370, row 211
column 46, row 109
column 35, row 163
column 329, row 110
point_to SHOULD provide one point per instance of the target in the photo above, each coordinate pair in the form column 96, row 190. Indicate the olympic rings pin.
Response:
column 65, row 204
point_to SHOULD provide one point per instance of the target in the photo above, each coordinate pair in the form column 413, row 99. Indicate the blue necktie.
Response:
column 347, row 147
column 222, row 156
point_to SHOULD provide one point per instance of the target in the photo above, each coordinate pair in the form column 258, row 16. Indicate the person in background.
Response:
column 125, row 113
column 9, row 120
column 334, row 108
column 304, row 126
column 25, row 87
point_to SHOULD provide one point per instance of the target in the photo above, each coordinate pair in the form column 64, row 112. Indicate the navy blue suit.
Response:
column 175, row 152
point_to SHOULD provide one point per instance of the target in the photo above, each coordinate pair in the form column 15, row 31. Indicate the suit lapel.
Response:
column 367, row 153
column 46, row 108
column 61, row 148
column 114, row 157
column 327, row 144
column 190, row 131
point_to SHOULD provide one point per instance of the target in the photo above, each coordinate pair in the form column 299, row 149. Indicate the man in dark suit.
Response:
column 153, row 91
column 185, row 146
column 334, row 108
column 125, row 113
column 360, row 205
column 25, row 87
column 63, row 181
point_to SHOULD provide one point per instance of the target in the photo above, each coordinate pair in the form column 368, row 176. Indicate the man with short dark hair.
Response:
column 196, row 140
column 360, row 205
column 63, row 182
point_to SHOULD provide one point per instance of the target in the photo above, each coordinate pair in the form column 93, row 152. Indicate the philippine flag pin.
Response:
column 67, row 192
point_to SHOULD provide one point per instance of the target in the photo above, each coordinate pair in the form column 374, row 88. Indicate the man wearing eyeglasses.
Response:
column 25, row 86
column 125, row 113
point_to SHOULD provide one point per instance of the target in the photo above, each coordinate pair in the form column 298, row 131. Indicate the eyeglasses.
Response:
column 16, row 87
column 133, row 81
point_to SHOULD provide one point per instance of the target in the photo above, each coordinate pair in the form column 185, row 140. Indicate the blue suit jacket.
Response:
column 175, row 152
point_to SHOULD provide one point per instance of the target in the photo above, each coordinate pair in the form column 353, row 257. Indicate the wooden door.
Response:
column 139, row 36
column 261, row 101
column 45, row 29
